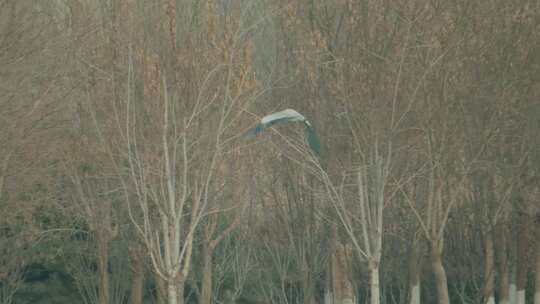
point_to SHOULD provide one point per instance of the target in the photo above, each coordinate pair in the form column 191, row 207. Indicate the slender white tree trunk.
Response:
column 328, row 297
column 415, row 264
column 415, row 294
column 523, row 248
column 440, row 275
column 348, row 301
column 374, row 283
column 503, row 263
column 172, row 293
column 489, row 270
column 513, row 293
column 520, row 296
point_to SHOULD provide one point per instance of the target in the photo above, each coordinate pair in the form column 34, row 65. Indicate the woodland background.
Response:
column 124, row 176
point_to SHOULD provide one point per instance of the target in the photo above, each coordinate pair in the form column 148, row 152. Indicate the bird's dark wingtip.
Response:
column 313, row 140
column 252, row 133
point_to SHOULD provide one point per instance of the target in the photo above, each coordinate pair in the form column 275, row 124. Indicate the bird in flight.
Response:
column 288, row 115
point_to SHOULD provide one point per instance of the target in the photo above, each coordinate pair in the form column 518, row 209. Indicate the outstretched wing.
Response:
column 281, row 116
column 288, row 115
column 272, row 119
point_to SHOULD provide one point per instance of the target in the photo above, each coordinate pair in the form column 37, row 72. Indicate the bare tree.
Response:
column 167, row 122
column 441, row 197
column 175, row 196
column 136, row 257
column 363, row 219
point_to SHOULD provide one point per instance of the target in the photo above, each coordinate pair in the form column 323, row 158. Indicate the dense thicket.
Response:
column 125, row 176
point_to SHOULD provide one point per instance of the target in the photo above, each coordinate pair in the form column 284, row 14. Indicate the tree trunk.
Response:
column 343, row 288
column 523, row 257
column 374, row 282
column 172, row 292
column 489, row 269
column 415, row 294
column 537, row 277
column 206, row 289
column 161, row 289
column 328, row 297
column 328, row 288
column 440, row 275
column 512, row 264
column 103, row 269
column 520, row 296
column 414, row 274
column 513, row 289
column 172, row 297
column 137, row 281
column 504, row 270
